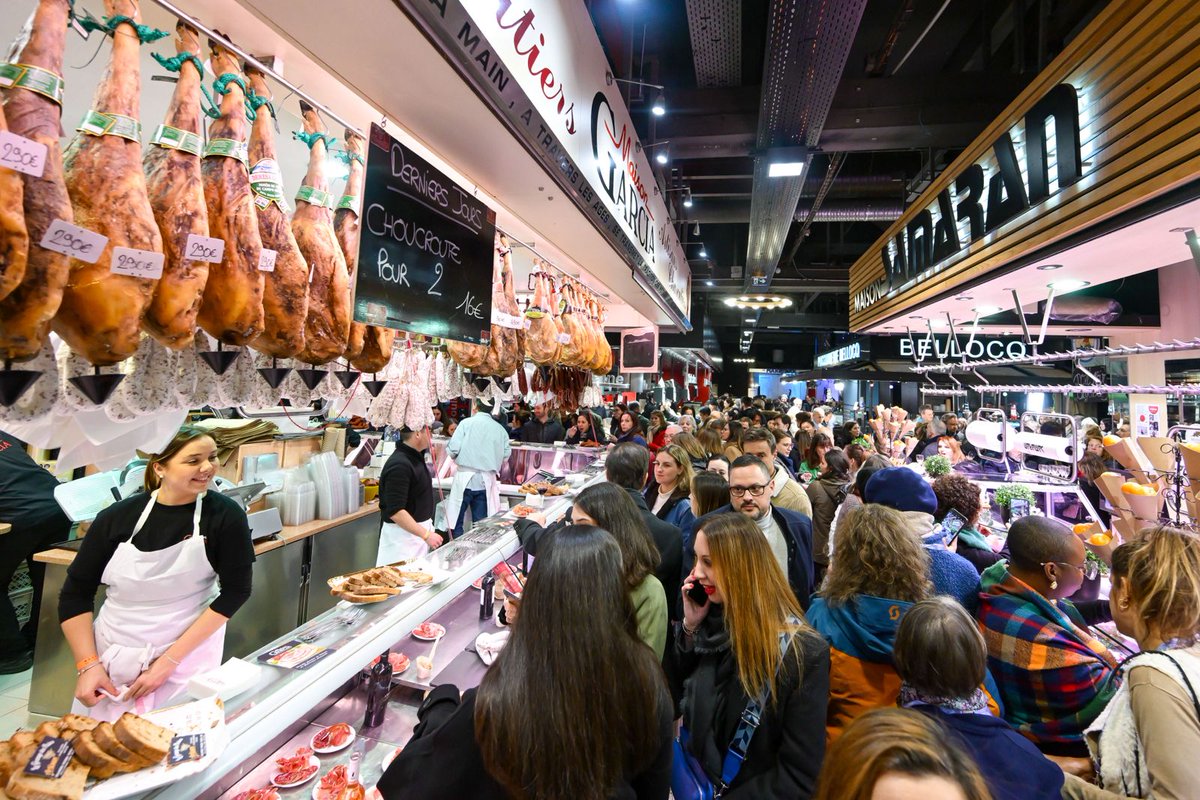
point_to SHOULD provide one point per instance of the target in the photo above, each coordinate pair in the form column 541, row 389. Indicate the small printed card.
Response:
column 51, row 759
column 72, row 240
column 137, row 263
column 21, row 154
column 295, row 655
column 188, row 747
column 204, row 248
column 266, row 260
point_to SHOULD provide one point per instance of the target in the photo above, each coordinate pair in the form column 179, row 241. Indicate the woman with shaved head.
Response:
column 1054, row 676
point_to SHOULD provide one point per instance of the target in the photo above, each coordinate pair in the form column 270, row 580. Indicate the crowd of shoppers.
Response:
column 753, row 562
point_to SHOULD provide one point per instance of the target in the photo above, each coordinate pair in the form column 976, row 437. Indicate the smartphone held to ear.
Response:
column 697, row 594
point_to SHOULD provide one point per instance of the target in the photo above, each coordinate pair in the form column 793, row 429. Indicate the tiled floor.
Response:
column 14, row 702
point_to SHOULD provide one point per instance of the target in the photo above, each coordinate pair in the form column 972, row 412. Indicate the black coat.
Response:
column 669, row 541
column 788, row 748
column 797, row 533
column 443, row 759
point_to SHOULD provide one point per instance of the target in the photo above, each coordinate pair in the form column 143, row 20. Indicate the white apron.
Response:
column 459, row 485
column 153, row 597
column 397, row 544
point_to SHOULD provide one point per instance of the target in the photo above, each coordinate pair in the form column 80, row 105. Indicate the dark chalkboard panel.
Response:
column 426, row 250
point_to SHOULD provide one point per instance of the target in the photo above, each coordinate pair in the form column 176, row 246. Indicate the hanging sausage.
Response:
column 102, row 307
column 285, row 289
column 172, row 166
column 232, row 308
column 370, row 347
column 327, row 328
column 33, row 108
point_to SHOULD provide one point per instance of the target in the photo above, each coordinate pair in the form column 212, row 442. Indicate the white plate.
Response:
column 390, row 757
column 327, row 750
column 433, row 638
column 313, row 761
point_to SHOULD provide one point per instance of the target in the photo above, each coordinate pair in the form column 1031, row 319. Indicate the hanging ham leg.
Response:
column 177, row 197
column 541, row 340
column 327, row 328
column 14, row 237
column 232, row 308
column 101, row 312
column 26, row 312
column 370, row 347
column 285, row 291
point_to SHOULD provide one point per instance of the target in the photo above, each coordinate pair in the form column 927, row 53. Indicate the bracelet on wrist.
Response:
column 85, row 669
column 168, row 658
column 689, row 632
column 86, row 662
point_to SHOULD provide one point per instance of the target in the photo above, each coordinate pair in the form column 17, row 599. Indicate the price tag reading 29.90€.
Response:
column 137, row 263
column 72, row 240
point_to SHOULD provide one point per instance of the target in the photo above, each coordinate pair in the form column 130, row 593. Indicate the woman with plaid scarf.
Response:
column 1054, row 676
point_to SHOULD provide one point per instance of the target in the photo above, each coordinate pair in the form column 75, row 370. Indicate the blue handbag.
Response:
column 689, row 781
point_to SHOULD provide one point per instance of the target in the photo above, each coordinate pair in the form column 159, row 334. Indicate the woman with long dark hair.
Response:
column 586, row 430
column 814, row 459
column 657, row 435
column 748, row 639
column 628, row 430
column 609, row 507
column 709, row 492
column 535, row 728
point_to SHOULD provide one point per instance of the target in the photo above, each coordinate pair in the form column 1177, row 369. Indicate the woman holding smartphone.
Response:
column 744, row 637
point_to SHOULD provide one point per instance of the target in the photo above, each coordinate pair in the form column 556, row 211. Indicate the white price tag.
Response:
column 137, row 263
column 204, row 248
column 72, row 240
column 505, row 320
column 564, row 338
column 266, row 261
column 21, row 154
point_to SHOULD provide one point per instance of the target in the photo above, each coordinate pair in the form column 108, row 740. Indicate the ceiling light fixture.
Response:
column 964, row 297
column 661, row 156
column 687, row 197
column 759, row 302
column 1049, row 267
column 985, row 311
column 709, row 283
column 696, row 229
column 786, row 162
column 660, row 104
column 1067, row 285
column 703, row 252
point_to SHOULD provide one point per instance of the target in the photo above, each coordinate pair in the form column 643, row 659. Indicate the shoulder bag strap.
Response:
column 1182, row 674
column 751, row 717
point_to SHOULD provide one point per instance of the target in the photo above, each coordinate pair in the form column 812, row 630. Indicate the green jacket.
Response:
column 650, row 606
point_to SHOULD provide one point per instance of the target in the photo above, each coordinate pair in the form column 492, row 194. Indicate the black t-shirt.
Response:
column 227, row 543
column 405, row 485
column 26, row 489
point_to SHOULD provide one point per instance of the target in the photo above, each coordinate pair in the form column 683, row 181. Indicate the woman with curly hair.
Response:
column 892, row 754
column 877, row 572
column 956, row 492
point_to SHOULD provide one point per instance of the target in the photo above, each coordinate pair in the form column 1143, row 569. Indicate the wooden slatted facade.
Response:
column 1136, row 70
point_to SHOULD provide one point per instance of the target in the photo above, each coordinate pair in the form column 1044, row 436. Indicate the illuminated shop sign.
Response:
column 850, row 352
column 984, row 196
column 947, row 347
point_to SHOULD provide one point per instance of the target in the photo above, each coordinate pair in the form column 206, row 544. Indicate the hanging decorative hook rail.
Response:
column 1082, row 352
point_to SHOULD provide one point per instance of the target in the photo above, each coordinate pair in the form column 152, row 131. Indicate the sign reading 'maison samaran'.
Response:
column 979, row 204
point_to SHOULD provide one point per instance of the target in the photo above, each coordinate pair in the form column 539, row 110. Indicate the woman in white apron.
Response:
column 163, row 620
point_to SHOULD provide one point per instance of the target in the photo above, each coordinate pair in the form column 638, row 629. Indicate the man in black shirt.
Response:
column 542, row 429
column 27, row 503
column 406, row 501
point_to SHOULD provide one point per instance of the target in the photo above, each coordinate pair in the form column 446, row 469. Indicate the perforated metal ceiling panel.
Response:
column 716, row 31
column 808, row 42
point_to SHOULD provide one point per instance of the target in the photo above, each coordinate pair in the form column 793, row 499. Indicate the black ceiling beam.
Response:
column 835, row 281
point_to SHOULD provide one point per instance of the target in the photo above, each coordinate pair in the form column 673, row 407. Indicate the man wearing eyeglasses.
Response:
column 789, row 533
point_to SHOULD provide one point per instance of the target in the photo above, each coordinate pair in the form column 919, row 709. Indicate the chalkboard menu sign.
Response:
column 426, row 249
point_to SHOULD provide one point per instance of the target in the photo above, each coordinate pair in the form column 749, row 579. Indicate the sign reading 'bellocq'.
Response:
column 426, row 248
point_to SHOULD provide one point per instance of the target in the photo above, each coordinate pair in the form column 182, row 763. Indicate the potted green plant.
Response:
column 1009, row 492
column 937, row 466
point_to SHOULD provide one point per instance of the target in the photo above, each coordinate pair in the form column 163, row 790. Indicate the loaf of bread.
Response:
column 68, row 787
column 151, row 742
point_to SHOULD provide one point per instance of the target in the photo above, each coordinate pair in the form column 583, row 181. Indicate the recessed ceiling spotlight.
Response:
column 759, row 302
column 985, row 311
column 1049, row 267
column 1078, row 330
column 1068, row 285
column 750, row 320
column 916, row 316
column 964, row 297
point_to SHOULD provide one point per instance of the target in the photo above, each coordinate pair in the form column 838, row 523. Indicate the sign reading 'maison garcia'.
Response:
column 540, row 65
column 979, row 204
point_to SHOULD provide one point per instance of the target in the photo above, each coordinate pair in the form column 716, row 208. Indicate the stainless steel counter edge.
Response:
column 266, row 719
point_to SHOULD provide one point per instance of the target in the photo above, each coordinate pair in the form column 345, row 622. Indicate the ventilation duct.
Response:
column 852, row 212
